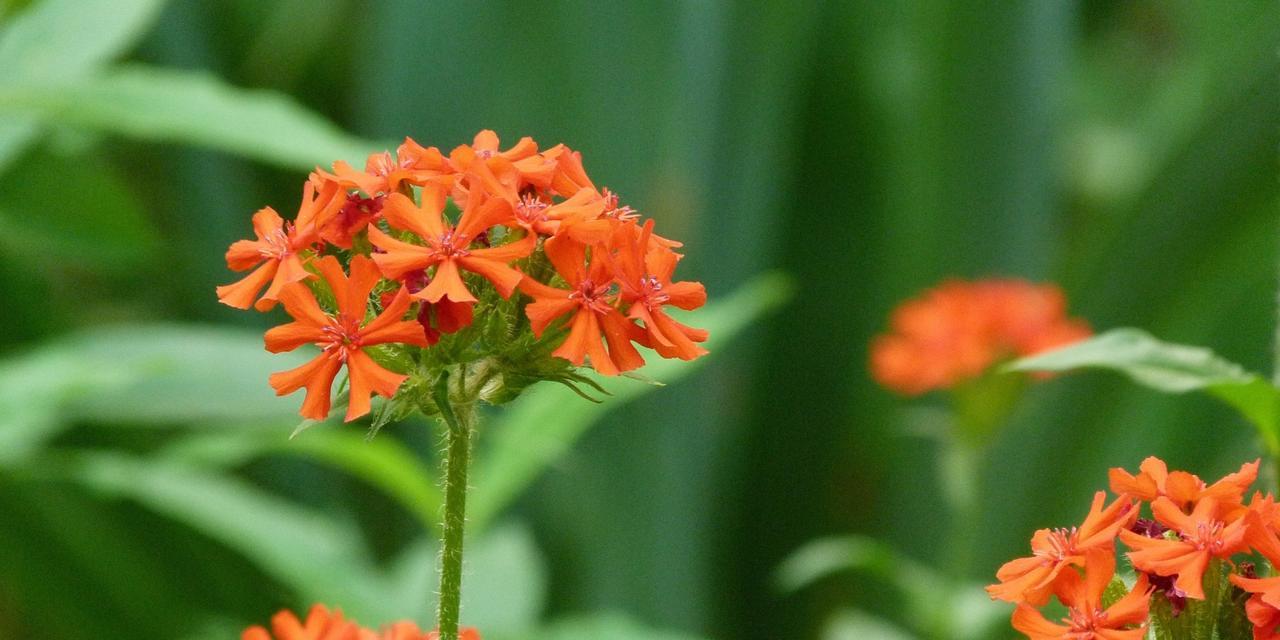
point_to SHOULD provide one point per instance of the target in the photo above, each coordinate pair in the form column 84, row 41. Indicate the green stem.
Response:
column 457, row 459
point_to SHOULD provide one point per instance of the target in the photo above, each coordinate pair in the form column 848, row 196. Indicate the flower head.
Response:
column 959, row 330
column 439, row 246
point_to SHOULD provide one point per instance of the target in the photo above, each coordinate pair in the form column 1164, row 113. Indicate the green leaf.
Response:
column 533, row 432
column 190, row 108
column 308, row 550
column 157, row 375
column 851, row 624
column 384, row 463
column 932, row 599
column 57, row 40
column 1171, row 368
column 323, row 559
column 108, row 231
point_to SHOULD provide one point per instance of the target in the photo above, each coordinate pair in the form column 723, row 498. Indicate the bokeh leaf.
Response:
column 97, row 226
column 932, row 599
column 57, row 40
column 312, row 552
column 536, row 430
column 851, row 624
column 190, row 108
column 614, row 626
column 384, row 463
column 1171, row 368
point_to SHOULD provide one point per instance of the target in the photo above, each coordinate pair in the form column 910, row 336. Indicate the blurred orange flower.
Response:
column 323, row 624
column 958, row 330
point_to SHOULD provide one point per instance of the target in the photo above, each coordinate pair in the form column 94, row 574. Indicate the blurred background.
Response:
column 863, row 150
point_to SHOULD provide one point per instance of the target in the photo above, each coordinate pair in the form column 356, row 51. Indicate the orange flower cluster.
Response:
column 958, row 330
column 431, row 241
column 323, row 624
column 1192, row 525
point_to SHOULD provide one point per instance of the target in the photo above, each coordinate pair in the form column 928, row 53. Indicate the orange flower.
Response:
column 1183, row 489
column 1264, row 616
column 352, row 218
column 1086, row 618
column 1203, row 537
column 448, row 248
column 644, row 270
column 465, row 633
column 519, row 166
column 412, row 164
column 1033, row 578
column 958, row 330
column 321, row 624
column 594, row 315
column 343, row 338
column 277, row 251
column 1263, row 607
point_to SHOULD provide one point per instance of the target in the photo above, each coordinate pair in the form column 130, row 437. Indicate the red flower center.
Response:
column 592, row 296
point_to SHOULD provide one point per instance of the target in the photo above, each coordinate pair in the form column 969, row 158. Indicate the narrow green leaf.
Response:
column 536, row 430
column 1171, row 368
column 851, row 624
column 310, row 551
column 190, row 108
column 384, row 463
column 109, row 231
column 56, row 40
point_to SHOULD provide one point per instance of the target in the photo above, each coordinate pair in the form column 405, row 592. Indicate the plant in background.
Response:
column 1183, row 550
column 442, row 283
column 954, row 338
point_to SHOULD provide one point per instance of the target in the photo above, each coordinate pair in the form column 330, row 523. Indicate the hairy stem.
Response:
column 457, row 459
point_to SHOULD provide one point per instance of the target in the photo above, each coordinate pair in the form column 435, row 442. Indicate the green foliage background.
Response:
column 867, row 150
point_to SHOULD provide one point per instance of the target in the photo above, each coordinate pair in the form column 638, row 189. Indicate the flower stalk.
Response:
column 459, row 427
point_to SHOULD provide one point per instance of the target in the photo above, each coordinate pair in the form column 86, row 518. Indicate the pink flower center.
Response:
column 1083, row 624
column 651, row 292
column 1207, row 536
column 613, row 210
column 449, row 245
column 1062, row 543
column 277, row 244
column 531, row 210
column 343, row 335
